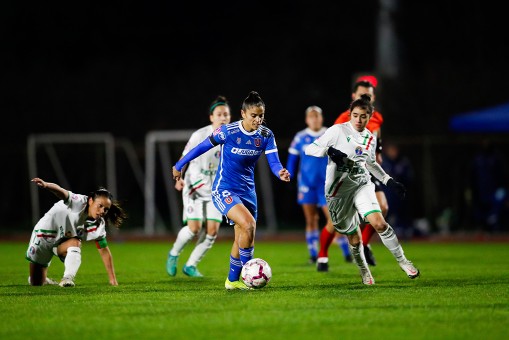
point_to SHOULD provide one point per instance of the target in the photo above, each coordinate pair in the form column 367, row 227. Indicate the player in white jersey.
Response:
column 197, row 195
column 60, row 231
column 349, row 189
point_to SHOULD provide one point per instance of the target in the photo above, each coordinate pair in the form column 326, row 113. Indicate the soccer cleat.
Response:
column 409, row 268
column 191, row 271
column 66, row 282
column 368, row 254
column 232, row 285
column 50, row 282
column 322, row 264
column 367, row 278
column 171, row 265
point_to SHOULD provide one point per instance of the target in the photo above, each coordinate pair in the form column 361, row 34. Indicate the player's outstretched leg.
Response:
column 390, row 240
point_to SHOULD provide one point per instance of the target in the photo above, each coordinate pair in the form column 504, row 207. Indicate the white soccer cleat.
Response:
column 50, row 282
column 409, row 269
column 367, row 278
column 66, row 282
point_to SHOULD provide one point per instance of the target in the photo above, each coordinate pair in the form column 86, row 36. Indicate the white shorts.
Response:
column 345, row 209
column 40, row 249
column 199, row 210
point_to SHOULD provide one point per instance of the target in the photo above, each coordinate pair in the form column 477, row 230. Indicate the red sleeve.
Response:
column 343, row 118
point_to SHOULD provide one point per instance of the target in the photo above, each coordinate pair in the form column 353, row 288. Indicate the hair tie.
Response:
column 215, row 105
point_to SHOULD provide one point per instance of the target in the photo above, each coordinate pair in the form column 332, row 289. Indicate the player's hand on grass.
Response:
column 397, row 187
column 336, row 156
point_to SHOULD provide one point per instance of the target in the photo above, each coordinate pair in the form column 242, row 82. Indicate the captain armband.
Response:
column 102, row 243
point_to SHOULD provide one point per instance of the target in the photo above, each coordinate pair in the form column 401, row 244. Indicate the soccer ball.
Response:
column 256, row 273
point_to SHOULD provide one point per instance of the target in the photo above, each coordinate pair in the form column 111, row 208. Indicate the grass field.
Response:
column 463, row 293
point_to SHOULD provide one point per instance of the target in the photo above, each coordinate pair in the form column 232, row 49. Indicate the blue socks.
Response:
column 312, row 242
column 246, row 254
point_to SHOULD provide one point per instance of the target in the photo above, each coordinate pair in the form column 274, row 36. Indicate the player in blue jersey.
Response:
column 233, row 190
column 311, row 181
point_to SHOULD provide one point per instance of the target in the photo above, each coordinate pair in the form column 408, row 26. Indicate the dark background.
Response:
column 129, row 68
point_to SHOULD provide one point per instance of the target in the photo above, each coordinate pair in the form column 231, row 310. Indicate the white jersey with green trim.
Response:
column 68, row 219
column 360, row 149
column 201, row 171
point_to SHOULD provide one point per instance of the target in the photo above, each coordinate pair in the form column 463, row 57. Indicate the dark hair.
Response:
column 364, row 102
column 116, row 215
column 253, row 99
column 219, row 101
column 363, row 83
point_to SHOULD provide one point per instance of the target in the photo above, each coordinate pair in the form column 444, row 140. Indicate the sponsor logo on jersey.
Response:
column 258, row 142
column 74, row 197
column 249, row 142
column 348, row 138
column 216, row 131
column 245, row 152
column 358, row 151
column 228, row 200
column 233, row 131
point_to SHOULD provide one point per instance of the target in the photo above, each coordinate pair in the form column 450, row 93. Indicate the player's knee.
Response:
column 380, row 225
column 248, row 225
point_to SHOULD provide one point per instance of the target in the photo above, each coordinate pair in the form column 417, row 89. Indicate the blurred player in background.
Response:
column 311, row 181
column 363, row 85
column 349, row 189
column 196, row 186
column 60, row 231
column 233, row 192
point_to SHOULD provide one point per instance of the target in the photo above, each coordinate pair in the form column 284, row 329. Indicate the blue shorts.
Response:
column 225, row 199
column 311, row 195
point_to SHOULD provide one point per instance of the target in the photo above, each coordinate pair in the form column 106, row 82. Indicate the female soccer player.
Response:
column 196, row 195
column 363, row 85
column 233, row 191
column 311, row 181
column 60, row 231
column 349, row 190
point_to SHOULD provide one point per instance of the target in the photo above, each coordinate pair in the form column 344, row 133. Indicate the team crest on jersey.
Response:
column 31, row 250
column 189, row 210
column 239, row 140
column 217, row 154
column 228, row 200
column 258, row 142
column 358, row 151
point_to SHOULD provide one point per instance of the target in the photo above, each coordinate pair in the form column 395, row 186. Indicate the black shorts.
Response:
column 377, row 183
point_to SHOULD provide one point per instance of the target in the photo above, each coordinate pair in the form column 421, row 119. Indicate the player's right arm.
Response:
column 56, row 189
column 320, row 145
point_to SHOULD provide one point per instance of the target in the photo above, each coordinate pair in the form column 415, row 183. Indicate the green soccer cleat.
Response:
column 232, row 285
column 171, row 265
column 191, row 271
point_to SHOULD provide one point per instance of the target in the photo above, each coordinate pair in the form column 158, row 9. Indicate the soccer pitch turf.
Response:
column 463, row 293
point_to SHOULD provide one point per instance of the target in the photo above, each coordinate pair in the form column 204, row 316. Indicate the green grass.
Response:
column 463, row 293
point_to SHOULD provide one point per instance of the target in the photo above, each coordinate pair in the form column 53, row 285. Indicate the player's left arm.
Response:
column 107, row 258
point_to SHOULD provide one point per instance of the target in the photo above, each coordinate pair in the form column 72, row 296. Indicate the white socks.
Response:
column 185, row 235
column 72, row 262
column 358, row 256
column 200, row 250
column 390, row 240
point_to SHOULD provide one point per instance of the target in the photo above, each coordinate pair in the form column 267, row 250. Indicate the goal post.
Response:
column 48, row 141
